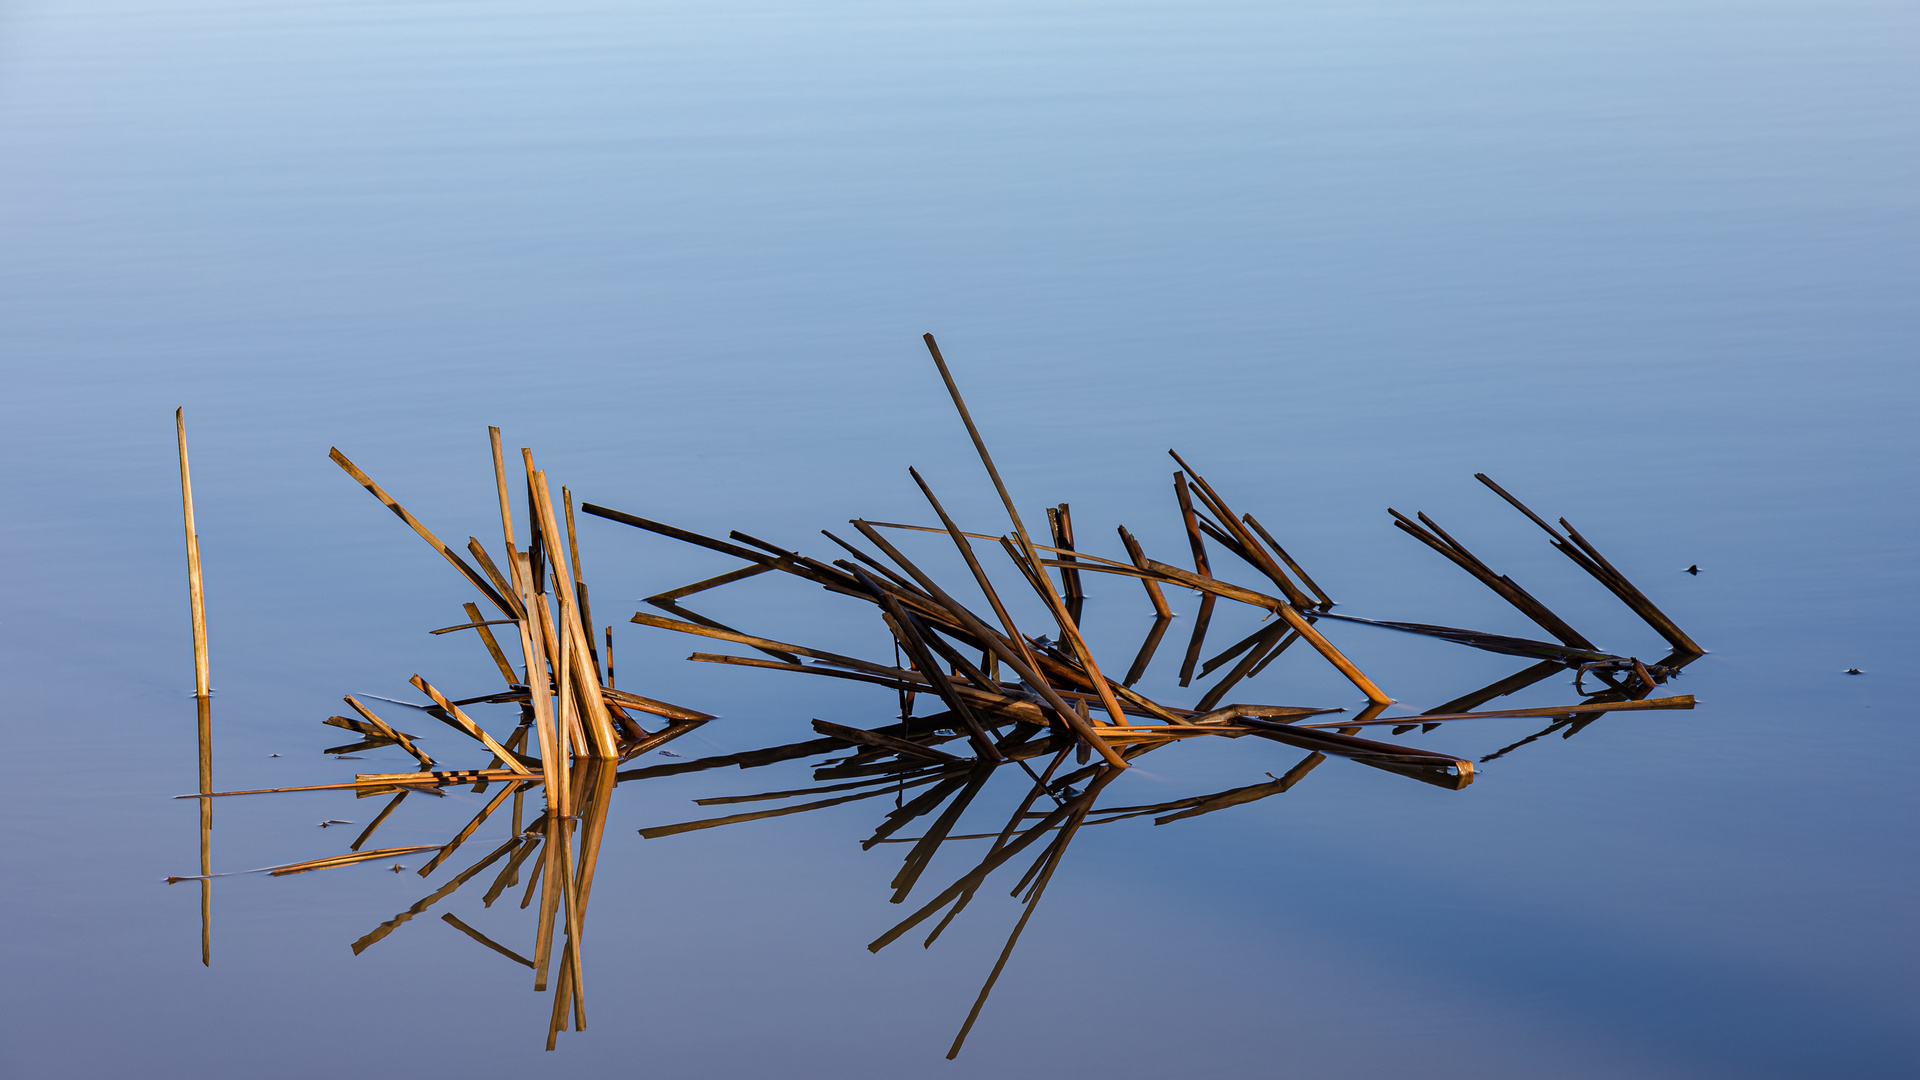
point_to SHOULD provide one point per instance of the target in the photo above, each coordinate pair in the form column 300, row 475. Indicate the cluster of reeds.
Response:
column 1006, row 696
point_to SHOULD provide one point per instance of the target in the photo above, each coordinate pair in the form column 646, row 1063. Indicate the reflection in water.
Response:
column 1022, row 704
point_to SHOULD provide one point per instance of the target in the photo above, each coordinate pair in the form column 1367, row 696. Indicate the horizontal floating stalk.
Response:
column 1683, row 701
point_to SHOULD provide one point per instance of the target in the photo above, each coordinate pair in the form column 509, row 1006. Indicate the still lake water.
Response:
column 1652, row 266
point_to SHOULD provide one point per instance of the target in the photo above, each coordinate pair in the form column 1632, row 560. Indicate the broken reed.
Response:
column 1001, row 688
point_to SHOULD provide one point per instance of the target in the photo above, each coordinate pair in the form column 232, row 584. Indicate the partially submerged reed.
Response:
column 1006, row 696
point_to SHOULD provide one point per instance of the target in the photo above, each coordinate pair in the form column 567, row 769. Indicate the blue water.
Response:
column 1650, row 266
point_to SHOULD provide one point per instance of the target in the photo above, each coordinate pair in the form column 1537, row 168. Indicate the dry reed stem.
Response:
column 1154, row 595
column 1007, row 656
column 1248, row 548
column 465, row 723
column 468, row 572
column 1325, row 600
column 493, row 646
column 1682, row 701
column 979, row 573
column 1044, row 586
column 196, row 595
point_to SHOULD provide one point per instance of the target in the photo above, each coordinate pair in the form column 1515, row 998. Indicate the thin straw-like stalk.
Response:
column 1495, row 643
column 472, row 575
column 332, row 861
column 388, row 731
column 1286, row 611
column 764, row 644
column 580, row 581
column 1682, row 701
column 1154, row 594
column 1249, row 548
column 500, row 486
column 1505, row 587
column 1201, row 568
column 500, row 581
column 710, row 823
column 540, row 699
column 1060, row 520
column 980, row 578
column 1069, row 628
column 703, row 585
column 465, row 723
column 578, row 650
column 648, row 705
column 1007, row 656
column 1325, row 600
column 1587, row 558
column 196, row 596
column 493, row 647
column 907, row 632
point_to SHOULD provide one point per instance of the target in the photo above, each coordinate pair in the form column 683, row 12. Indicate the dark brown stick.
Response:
column 1069, row 629
column 473, row 576
column 1198, row 640
column 907, row 633
column 992, row 640
column 1504, row 587
column 714, row 582
column 1682, row 701
column 1060, row 521
column 1249, row 548
column 1588, row 559
column 1325, row 600
column 493, row 646
column 1139, row 558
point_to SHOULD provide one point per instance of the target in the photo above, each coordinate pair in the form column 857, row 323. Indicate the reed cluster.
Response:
column 1006, row 695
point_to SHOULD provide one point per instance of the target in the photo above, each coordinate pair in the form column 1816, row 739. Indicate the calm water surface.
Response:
column 1651, row 266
